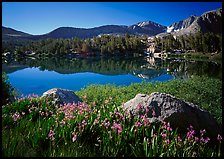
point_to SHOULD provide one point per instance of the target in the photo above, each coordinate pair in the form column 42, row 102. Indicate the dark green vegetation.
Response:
column 104, row 45
column 7, row 90
column 99, row 127
column 200, row 42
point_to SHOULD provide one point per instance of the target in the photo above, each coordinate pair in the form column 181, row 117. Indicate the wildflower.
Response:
column 51, row 135
column 145, row 121
column 117, row 127
column 196, row 139
column 84, row 97
column 106, row 101
column 146, row 109
column 139, row 106
column 16, row 116
column 202, row 132
column 96, row 121
column 23, row 113
column 168, row 127
column 154, row 135
column 179, row 139
column 202, row 140
column 110, row 98
column 219, row 137
column 74, row 137
column 167, row 141
column 153, row 113
column 164, row 135
column 138, row 124
column 190, row 133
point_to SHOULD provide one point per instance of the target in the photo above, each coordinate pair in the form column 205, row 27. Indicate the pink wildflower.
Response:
column 74, row 137
column 164, row 135
column 139, row 107
column 219, row 137
column 51, row 135
column 16, row 116
column 153, row 113
column 117, row 127
column 138, row 124
column 167, row 141
column 179, row 139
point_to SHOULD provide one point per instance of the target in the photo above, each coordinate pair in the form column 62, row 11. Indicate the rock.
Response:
column 168, row 108
column 61, row 96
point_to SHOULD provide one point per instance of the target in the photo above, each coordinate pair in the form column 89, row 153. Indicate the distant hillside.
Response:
column 144, row 28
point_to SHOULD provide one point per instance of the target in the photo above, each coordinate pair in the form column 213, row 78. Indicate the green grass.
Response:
column 100, row 125
column 203, row 91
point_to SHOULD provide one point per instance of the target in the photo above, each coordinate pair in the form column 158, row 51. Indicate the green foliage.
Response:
column 8, row 92
column 99, row 127
column 200, row 42
column 203, row 91
column 104, row 45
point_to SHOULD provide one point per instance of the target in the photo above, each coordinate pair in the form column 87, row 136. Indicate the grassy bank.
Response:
column 203, row 91
column 97, row 127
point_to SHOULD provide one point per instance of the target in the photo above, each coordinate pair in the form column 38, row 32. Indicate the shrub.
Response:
column 7, row 90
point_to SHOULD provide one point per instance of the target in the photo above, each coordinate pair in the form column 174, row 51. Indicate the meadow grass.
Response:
column 98, row 126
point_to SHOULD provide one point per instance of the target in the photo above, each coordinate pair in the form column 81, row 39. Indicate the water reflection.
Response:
column 143, row 67
column 36, row 75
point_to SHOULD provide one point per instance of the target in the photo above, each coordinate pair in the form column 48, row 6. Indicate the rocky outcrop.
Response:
column 180, row 114
column 61, row 96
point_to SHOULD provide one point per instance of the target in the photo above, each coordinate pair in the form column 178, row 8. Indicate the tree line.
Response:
column 105, row 44
column 200, row 42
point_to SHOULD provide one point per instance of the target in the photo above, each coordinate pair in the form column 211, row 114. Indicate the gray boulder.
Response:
column 61, row 96
column 164, row 107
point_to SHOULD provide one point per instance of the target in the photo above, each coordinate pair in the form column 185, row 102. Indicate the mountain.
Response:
column 12, row 34
column 148, row 28
column 210, row 21
column 181, row 24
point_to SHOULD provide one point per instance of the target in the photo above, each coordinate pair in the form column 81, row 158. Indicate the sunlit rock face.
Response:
column 61, row 96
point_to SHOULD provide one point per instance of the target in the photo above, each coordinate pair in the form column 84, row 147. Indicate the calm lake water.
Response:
column 37, row 75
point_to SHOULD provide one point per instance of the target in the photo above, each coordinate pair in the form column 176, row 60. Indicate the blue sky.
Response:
column 43, row 17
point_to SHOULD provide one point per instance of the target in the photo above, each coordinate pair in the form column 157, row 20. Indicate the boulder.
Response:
column 61, row 96
column 164, row 107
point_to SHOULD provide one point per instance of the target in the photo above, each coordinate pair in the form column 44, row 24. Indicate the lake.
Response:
column 36, row 75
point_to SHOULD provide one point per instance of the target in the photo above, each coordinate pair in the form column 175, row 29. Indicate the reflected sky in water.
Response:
column 33, row 80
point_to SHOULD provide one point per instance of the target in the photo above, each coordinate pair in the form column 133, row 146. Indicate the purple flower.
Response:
column 167, row 141
column 51, row 135
column 179, row 139
column 164, row 135
column 219, row 137
column 138, row 124
column 139, row 106
column 117, row 127
column 202, row 140
column 196, row 139
column 74, row 137
column 153, row 113
column 202, row 132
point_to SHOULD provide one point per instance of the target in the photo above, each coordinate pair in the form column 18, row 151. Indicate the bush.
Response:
column 7, row 90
